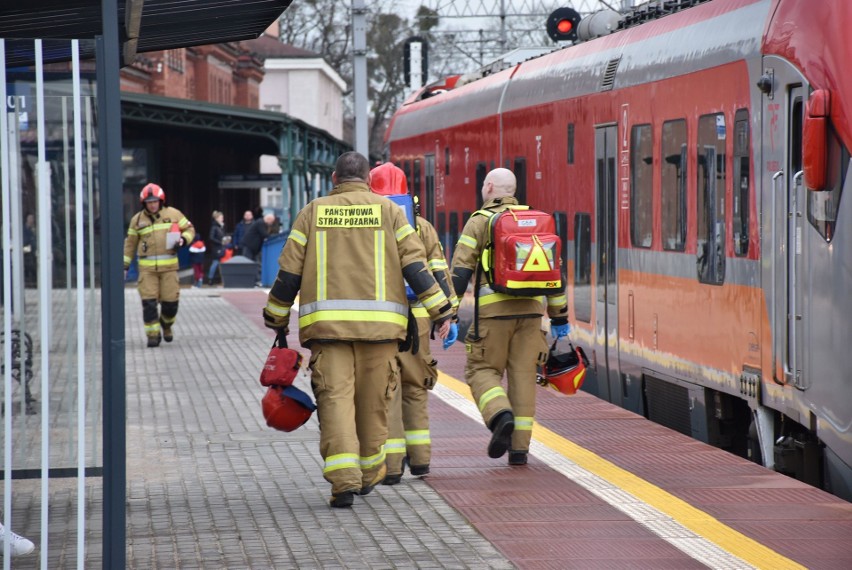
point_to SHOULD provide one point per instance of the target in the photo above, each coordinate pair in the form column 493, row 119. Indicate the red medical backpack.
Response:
column 524, row 254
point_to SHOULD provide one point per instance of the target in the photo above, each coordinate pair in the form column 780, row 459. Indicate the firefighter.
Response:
column 346, row 256
column 409, row 440
column 510, row 337
column 155, row 234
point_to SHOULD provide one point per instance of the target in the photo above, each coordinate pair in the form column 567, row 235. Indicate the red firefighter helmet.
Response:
column 286, row 408
column 152, row 192
column 564, row 370
column 388, row 180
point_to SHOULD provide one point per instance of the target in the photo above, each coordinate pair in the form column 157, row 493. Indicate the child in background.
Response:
column 196, row 258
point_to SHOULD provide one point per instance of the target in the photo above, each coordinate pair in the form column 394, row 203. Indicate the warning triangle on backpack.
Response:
column 537, row 259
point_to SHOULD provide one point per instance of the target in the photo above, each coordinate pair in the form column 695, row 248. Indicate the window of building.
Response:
column 641, row 187
column 174, row 59
column 711, row 177
column 447, row 160
column 275, row 108
column 673, row 181
column 583, row 267
column 742, row 182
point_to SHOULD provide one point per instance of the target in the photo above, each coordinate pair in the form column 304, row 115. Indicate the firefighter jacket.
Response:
column 347, row 255
column 147, row 237
column 466, row 258
column 437, row 262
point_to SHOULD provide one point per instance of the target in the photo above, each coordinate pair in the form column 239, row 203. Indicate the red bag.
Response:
column 282, row 365
column 229, row 253
column 524, row 254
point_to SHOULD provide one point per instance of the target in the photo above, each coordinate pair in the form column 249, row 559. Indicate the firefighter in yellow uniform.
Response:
column 409, row 440
column 346, row 256
column 155, row 234
column 509, row 336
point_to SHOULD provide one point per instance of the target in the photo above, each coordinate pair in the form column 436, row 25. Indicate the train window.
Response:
column 442, row 230
column 742, row 181
column 406, row 168
column 521, row 174
column 823, row 205
column 711, row 160
column 454, row 233
column 583, row 267
column 641, row 189
column 481, row 171
column 673, row 181
column 571, row 143
column 447, row 160
column 465, row 217
column 416, row 178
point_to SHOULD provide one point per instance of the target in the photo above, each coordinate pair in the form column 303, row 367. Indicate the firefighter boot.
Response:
column 502, row 426
column 342, row 501
column 517, row 457
column 380, row 476
column 168, row 336
column 167, row 319
column 154, row 341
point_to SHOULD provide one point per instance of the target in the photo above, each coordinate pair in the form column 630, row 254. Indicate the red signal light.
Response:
column 564, row 26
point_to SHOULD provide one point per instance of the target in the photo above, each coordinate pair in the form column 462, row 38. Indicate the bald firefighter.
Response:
column 509, row 337
column 347, row 255
column 155, row 234
column 409, row 439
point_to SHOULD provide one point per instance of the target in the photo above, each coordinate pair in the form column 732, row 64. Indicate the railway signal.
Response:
column 562, row 24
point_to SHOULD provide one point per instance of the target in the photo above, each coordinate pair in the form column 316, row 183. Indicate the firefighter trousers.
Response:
column 408, row 416
column 514, row 346
column 158, row 287
column 353, row 383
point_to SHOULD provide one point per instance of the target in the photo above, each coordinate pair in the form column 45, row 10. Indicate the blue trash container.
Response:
column 270, row 251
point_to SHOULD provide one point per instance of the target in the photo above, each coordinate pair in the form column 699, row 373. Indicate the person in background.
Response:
column 240, row 231
column 196, row 258
column 253, row 239
column 217, row 243
column 350, row 254
column 155, row 234
column 510, row 339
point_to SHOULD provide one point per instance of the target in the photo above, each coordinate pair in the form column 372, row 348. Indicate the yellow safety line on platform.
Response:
column 701, row 523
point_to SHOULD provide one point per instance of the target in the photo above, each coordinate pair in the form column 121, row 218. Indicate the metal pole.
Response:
column 112, row 288
column 503, row 40
column 359, row 52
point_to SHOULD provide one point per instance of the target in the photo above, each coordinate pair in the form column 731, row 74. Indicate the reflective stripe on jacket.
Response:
column 146, row 237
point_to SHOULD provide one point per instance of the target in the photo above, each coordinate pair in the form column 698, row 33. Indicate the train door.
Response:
column 784, row 109
column 429, row 175
column 606, row 236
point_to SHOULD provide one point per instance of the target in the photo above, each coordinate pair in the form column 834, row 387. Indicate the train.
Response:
column 694, row 156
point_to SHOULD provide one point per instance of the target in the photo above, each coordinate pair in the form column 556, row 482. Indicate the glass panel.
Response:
column 742, row 182
column 583, row 267
column 710, row 252
column 673, row 180
column 641, row 188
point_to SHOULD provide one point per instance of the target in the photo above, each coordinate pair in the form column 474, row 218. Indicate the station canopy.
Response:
column 144, row 25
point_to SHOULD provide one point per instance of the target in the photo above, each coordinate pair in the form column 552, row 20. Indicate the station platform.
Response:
column 210, row 486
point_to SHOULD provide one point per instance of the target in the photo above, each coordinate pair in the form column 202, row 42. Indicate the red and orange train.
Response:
column 695, row 160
